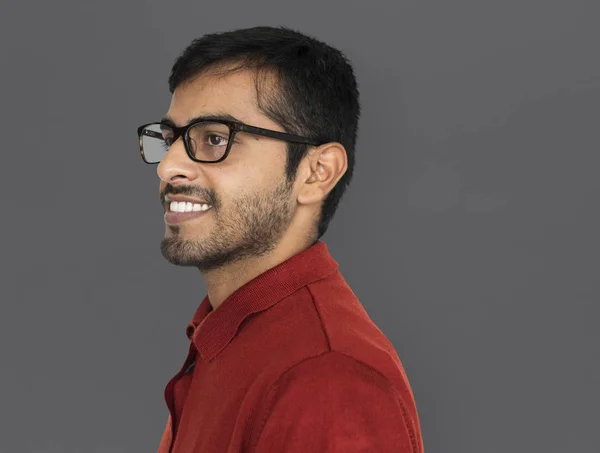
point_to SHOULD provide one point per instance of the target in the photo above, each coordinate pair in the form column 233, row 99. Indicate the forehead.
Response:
column 232, row 93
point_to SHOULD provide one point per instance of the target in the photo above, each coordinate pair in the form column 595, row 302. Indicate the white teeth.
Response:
column 186, row 206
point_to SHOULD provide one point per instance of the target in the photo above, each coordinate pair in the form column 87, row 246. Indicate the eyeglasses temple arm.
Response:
column 152, row 134
column 275, row 134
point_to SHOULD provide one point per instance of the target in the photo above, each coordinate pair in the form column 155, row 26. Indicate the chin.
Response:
column 177, row 250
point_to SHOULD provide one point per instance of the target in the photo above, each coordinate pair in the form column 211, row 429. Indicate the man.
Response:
column 253, row 155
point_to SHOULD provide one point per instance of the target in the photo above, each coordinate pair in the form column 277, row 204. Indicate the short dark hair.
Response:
column 316, row 95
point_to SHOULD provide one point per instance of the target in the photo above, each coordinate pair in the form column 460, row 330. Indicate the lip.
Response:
column 170, row 198
column 173, row 218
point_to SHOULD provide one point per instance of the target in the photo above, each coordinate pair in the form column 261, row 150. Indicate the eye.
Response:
column 216, row 140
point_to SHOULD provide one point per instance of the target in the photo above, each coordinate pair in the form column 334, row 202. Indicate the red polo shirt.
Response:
column 290, row 362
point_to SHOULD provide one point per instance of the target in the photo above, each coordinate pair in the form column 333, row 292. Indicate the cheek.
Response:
column 247, row 175
column 231, row 189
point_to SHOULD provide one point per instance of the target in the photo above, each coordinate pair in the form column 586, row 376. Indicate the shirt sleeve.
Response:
column 334, row 403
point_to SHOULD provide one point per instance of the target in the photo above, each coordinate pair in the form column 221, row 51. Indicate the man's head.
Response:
column 266, row 190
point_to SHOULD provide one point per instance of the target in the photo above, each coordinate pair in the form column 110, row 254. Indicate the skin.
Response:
column 258, row 219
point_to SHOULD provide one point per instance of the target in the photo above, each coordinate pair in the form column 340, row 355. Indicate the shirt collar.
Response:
column 212, row 330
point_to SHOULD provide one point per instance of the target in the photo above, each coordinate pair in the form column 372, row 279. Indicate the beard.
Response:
column 250, row 227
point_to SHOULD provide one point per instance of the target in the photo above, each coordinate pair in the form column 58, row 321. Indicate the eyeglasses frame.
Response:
column 234, row 127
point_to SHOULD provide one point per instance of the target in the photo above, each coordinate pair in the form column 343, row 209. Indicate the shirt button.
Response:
column 189, row 331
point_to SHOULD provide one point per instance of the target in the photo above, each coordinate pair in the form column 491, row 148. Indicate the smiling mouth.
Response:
column 180, row 211
column 187, row 206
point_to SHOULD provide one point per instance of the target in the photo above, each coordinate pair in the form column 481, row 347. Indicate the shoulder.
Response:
column 335, row 383
column 332, row 367
column 334, row 399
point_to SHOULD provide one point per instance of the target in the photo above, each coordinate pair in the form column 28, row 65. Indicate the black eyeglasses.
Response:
column 206, row 140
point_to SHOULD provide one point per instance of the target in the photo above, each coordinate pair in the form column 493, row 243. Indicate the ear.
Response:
column 320, row 171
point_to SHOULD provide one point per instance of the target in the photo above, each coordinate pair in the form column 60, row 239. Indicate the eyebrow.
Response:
column 205, row 117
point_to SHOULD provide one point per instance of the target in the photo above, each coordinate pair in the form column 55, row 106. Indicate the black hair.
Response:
column 316, row 93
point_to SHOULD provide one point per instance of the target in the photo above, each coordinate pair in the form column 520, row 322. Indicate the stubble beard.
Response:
column 251, row 227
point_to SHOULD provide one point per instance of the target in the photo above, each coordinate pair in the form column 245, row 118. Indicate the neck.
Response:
column 222, row 283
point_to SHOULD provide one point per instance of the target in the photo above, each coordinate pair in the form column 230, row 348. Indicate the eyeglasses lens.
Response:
column 208, row 141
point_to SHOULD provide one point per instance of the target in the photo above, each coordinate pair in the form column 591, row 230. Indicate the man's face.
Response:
column 252, row 201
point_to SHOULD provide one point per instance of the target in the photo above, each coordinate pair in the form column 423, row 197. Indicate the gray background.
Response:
column 469, row 232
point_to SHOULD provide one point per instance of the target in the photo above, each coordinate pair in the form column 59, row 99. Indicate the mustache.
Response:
column 190, row 191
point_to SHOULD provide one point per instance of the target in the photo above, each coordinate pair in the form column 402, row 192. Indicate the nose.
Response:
column 177, row 164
